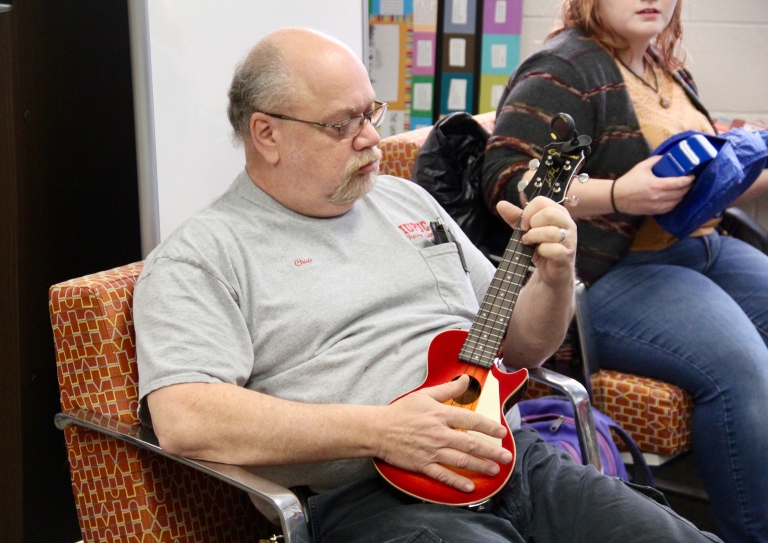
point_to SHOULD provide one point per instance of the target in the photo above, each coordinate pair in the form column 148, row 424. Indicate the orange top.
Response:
column 658, row 123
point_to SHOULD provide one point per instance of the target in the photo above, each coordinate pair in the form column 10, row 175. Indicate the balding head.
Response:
column 283, row 68
column 289, row 100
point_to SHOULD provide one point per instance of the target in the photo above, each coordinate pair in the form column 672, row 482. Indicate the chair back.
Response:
column 124, row 493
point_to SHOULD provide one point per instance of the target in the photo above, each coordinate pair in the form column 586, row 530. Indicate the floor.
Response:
column 685, row 493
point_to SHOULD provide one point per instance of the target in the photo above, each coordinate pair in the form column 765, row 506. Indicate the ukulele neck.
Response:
column 484, row 340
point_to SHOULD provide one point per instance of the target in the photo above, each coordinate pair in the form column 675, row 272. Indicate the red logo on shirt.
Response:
column 413, row 230
column 302, row 261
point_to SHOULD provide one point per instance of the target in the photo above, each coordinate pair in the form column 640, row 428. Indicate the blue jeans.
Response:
column 550, row 499
column 696, row 315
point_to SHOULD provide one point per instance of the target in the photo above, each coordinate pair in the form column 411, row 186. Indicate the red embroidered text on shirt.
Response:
column 413, row 230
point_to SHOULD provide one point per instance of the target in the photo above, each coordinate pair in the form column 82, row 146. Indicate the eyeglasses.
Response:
column 352, row 126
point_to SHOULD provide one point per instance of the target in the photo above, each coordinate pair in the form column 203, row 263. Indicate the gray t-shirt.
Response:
column 338, row 310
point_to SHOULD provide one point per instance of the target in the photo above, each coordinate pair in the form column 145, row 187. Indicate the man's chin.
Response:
column 358, row 186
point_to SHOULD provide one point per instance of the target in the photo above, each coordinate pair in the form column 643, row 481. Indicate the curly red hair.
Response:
column 585, row 15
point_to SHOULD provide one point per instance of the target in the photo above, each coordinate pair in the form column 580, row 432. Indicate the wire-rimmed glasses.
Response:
column 352, row 126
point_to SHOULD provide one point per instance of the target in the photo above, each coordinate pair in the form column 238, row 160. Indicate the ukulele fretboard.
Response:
column 487, row 333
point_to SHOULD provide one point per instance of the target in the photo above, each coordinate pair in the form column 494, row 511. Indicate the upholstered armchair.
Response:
column 126, row 488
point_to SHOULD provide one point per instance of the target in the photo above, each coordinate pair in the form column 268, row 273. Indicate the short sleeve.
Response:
column 189, row 328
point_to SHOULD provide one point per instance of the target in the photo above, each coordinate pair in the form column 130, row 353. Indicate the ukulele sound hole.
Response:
column 471, row 394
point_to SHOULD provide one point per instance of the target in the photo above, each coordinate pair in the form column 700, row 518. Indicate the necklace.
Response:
column 663, row 102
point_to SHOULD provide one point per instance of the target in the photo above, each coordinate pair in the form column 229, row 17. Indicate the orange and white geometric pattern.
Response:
column 127, row 494
column 656, row 414
column 398, row 152
column 124, row 493
column 95, row 349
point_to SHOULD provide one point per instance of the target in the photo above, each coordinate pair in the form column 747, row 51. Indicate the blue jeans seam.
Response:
column 738, row 480
column 762, row 332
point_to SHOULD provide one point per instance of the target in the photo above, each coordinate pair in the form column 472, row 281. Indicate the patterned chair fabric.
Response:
column 656, row 414
column 123, row 493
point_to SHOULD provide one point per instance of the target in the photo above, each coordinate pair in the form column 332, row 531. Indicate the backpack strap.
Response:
column 641, row 473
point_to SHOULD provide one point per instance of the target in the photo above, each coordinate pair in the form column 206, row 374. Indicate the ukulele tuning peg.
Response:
column 583, row 178
column 521, row 185
column 533, row 164
column 573, row 201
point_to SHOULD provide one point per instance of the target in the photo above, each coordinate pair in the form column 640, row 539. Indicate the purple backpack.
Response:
column 552, row 418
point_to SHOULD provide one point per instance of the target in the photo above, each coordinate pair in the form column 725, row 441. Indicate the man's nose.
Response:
column 367, row 138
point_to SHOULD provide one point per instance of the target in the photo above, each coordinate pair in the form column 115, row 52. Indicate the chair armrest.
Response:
column 282, row 506
column 583, row 318
column 741, row 226
column 582, row 409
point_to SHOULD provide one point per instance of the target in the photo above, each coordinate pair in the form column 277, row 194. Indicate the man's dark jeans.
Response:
column 550, row 499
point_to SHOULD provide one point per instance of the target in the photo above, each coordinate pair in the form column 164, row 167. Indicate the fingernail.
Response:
column 494, row 470
column 506, row 457
column 469, row 487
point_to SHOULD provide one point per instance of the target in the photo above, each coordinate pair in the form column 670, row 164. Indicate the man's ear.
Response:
column 263, row 138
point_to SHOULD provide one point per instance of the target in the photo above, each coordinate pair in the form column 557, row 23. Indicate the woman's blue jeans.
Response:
column 696, row 315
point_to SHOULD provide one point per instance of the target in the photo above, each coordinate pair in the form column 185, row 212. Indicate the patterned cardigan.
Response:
column 575, row 75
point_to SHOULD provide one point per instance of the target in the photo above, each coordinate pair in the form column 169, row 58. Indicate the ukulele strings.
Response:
column 514, row 246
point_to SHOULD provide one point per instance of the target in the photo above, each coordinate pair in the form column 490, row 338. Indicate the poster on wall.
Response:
column 390, row 60
column 502, row 25
column 424, row 57
column 458, row 43
column 429, row 58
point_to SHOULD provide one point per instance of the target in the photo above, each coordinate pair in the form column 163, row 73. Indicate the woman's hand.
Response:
column 640, row 192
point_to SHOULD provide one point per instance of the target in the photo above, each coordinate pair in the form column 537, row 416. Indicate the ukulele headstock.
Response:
column 561, row 160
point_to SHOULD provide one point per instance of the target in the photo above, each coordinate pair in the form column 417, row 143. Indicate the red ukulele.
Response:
column 476, row 353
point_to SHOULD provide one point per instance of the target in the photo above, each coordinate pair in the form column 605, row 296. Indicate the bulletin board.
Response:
column 429, row 58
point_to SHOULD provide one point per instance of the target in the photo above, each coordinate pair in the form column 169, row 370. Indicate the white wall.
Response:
column 184, row 53
column 727, row 46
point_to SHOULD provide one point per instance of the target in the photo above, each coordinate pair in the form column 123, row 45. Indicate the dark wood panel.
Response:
column 73, row 210
column 10, row 408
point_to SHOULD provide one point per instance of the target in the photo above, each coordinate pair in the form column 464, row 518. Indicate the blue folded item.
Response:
column 738, row 159
column 690, row 156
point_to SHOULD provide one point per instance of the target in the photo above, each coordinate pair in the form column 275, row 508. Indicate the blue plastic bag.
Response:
column 741, row 157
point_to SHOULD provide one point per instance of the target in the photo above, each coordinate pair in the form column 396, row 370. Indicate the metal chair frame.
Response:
column 279, row 504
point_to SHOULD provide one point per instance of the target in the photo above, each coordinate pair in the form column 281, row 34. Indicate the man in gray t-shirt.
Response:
column 276, row 327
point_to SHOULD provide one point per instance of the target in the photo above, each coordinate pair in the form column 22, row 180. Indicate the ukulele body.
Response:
column 489, row 391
